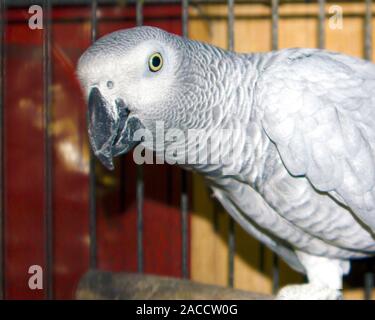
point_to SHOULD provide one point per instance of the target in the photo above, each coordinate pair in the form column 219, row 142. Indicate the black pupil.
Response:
column 156, row 61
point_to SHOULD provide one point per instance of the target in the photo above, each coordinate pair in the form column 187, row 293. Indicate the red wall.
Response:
column 24, row 163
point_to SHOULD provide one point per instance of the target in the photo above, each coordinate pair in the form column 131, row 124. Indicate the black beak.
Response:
column 111, row 128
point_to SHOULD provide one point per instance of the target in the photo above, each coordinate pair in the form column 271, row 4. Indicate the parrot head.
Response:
column 135, row 77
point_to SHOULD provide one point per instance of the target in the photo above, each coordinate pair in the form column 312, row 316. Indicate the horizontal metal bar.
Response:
column 17, row 3
column 193, row 18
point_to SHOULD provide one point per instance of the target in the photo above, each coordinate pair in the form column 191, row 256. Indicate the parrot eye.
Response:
column 155, row 62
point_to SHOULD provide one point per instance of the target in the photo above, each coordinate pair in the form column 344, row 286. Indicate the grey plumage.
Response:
column 303, row 122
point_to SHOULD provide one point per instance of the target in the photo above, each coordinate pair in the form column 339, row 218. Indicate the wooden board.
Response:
column 102, row 285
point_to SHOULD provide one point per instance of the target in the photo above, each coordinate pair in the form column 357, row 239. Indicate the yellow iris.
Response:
column 155, row 62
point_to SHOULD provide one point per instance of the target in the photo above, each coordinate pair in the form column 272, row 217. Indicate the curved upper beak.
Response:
column 110, row 127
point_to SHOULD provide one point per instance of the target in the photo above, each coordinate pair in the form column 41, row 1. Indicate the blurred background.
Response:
column 67, row 214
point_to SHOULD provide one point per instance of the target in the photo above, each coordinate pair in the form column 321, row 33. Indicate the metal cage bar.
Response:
column 2, row 185
column 202, row 17
column 184, row 183
column 275, row 45
column 184, row 225
column 185, row 18
column 368, row 30
column 48, row 169
column 321, row 24
column 139, row 196
column 140, row 182
column 48, row 165
column 369, row 276
column 139, row 12
column 230, row 25
column 368, row 285
column 92, row 174
column 275, row 24
column 231, row 226
column 15, row 3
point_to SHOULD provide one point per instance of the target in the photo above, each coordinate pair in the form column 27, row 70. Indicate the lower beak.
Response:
column 111, row 128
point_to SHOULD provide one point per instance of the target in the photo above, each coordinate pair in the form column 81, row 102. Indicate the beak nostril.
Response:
column 110, row 84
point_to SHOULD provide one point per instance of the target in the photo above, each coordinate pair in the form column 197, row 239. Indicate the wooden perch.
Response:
column 129, row 286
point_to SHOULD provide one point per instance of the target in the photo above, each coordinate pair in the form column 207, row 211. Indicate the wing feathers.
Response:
column 324, row 127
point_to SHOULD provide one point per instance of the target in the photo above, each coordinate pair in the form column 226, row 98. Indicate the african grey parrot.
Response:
column 302, row 121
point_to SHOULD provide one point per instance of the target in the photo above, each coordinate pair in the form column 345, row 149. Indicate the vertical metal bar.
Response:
column 231, row 227
column 369, row 285
column 275, row 45
column 230, row 25
column 185, row 18
column 368, row 30
column 184, row 184
column 321, row 24
column 262, row 252
column 92, row 175
column 275, row 24
column 231, row 251
column 139, row 183
column 122, row 189
column 275, row 273
column 48, row 170
column 139, row 12
column 2, row 190
column 140, row 198
column 184, row 224
column 369, row 276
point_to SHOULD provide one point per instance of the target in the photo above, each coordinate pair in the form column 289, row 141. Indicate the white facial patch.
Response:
column 144, row 88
